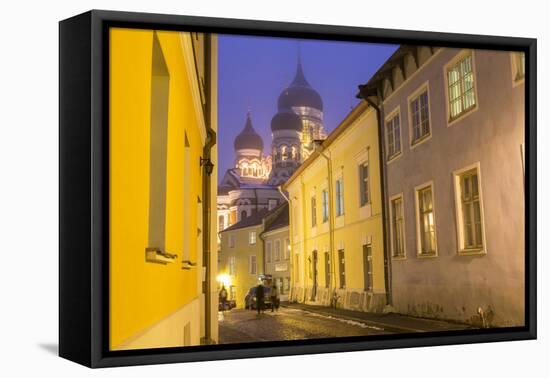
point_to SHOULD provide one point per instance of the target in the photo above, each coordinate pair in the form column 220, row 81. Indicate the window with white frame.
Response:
column 461, row 90
column 364, row 188
column 252, row 266
column 397, row 227
column 252, row 237
column 232, row 266
column 268, row 251
column 277, row 247
column 420, row 116
column 470, row 219
column 271, row 204
column 324, row 195
column 286, row 249
column 313, row 211
column 426, row 221
column 339, row 197
column 519, row 65
column 232, row 241
column 393, row 132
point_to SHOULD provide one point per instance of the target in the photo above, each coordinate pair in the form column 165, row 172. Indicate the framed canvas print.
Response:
column 234, row 188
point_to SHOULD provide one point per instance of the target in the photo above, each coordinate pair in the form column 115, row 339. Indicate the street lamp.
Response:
column 208, row 165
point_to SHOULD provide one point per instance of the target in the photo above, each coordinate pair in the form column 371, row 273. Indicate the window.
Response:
column 160, row 82
column 268, row 251
column 252, row 264
column 277, row 250
column 364, row 191
column 327, row 269
column 518, row 65
column 286, row 249
column 397, row 228
column 426, row 221
column 232, row 266
column 243, row 215
column 313, row 211
column 220, row 223
column 342, row 265
column 232, row 241
column 271, row 204
column 324, row 194
column 461, row 91
column 339, row 197
column 367, row 267
column 252, row 237
column 469, row 210
column 420, row 117
column 393, row 130
column 232, row 217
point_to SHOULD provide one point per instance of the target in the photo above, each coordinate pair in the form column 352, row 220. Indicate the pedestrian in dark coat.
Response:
column 260, row 298
column 274, row 298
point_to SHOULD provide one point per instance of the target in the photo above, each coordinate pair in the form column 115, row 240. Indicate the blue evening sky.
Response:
column 253, row 71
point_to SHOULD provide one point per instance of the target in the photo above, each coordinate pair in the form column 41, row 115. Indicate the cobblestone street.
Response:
column 304, row 322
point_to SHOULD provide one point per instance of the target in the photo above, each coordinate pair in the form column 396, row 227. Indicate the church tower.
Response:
column 298, row 123
column 249, row 159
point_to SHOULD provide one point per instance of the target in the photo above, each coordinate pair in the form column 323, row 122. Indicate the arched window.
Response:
column 294, row 152
column 283, row 152
column 243, row 214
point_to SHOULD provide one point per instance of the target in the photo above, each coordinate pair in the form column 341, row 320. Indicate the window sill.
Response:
column 421, row 140
column 472, row 252
column 398, row 258
column 394, row 157
column 452, row 120
column 426, row 255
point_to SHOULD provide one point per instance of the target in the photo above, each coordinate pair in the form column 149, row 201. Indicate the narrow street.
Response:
column 240, row 326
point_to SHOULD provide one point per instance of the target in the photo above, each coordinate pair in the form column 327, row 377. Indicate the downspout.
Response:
column 207, row 200
column 330, row 219
column 383, row 179
column 290, row 238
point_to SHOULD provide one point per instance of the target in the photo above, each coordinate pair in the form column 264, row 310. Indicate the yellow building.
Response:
column 336, row 227
column 161, row 125
column 241, row 257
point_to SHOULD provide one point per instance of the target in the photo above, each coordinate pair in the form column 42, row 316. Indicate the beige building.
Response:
column 276, row 248
column 336, row 224
column 241, row 263
column 453, row 140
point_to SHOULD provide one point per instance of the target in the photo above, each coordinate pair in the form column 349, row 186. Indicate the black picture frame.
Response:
column 83, row 196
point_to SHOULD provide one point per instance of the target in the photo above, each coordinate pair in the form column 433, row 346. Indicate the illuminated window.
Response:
column 232, row 266
column 461, row 91
column 252, row 237
column 426, row 221
column 286, row 249
column 393, row 131
column 470, row 219
column 420, row 117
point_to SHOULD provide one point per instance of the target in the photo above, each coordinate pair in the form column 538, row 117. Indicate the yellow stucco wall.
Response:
column 242, row 279
column 142, row 293
column 355, row 228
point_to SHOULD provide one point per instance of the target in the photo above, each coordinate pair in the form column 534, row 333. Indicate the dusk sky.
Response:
column 253, row 71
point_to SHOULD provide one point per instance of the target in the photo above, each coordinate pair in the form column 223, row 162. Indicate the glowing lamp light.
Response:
column 224, row 279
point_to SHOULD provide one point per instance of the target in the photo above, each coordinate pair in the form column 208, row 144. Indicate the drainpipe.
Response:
column 290, row 237
column 383, row 179
column 330, row 218
column 207, row 200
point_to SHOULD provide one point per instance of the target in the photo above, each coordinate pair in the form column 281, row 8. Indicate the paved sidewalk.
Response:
column 389, row 322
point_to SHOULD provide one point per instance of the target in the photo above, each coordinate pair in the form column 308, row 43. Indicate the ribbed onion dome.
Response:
column 248, row 138
column 286, row 121
column 299, row 93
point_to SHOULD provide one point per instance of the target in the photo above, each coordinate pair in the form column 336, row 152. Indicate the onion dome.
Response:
column 300, row 93
column 286, row 121
column 248, row 138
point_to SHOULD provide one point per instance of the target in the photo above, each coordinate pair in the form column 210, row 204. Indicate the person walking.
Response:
column 274, row 298
column 260, row 298
column 223, row 298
